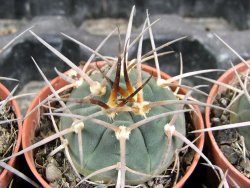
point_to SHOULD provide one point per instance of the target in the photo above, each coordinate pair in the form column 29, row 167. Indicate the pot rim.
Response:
column 226, row 77
column 56, row 84
column 6, row 175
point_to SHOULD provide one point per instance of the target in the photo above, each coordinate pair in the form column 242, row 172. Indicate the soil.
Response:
column 229, row 140
column 10, row 26
column 8, row 132
column 58, row 172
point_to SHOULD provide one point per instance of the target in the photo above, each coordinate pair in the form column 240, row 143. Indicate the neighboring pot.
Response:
column 30, row 125
column 6, row 176
column 218, row 157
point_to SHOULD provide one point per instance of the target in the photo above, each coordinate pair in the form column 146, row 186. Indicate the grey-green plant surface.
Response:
column 145, row 145
column 242, row 109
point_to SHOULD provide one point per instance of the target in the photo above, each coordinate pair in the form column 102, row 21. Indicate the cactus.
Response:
column 239, row 104
column 131, row 140
column 145, row 145
column 242, row 108
column 120, row 125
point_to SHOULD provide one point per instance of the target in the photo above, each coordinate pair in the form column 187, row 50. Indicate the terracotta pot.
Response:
column 30, row 124
column 217, row 156
column 6, row 176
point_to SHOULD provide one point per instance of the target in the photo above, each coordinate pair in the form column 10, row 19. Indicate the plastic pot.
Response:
column 30, row 125
column 216, row 154
column 6, row 176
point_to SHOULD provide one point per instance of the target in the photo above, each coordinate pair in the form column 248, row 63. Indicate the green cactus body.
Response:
column 144, row 148
column 242, row 107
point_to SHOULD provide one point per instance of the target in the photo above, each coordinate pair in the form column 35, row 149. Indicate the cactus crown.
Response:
column 124, row 135
column 139, row 149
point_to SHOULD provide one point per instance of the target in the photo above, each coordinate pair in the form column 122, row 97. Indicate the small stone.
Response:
column 70, row 176
column 158, row 186
column 245, row 165
column 53, row 161
column 224, row 118
column 230, row 154
column 217, row 112
column 150, row 183
column 226, row 113
column 53, row 173
column 215, row 121
column 223, row 102
column 55, row 184
column 227, row 136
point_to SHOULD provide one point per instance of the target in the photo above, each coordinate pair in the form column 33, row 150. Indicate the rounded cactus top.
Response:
column 145, row 146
